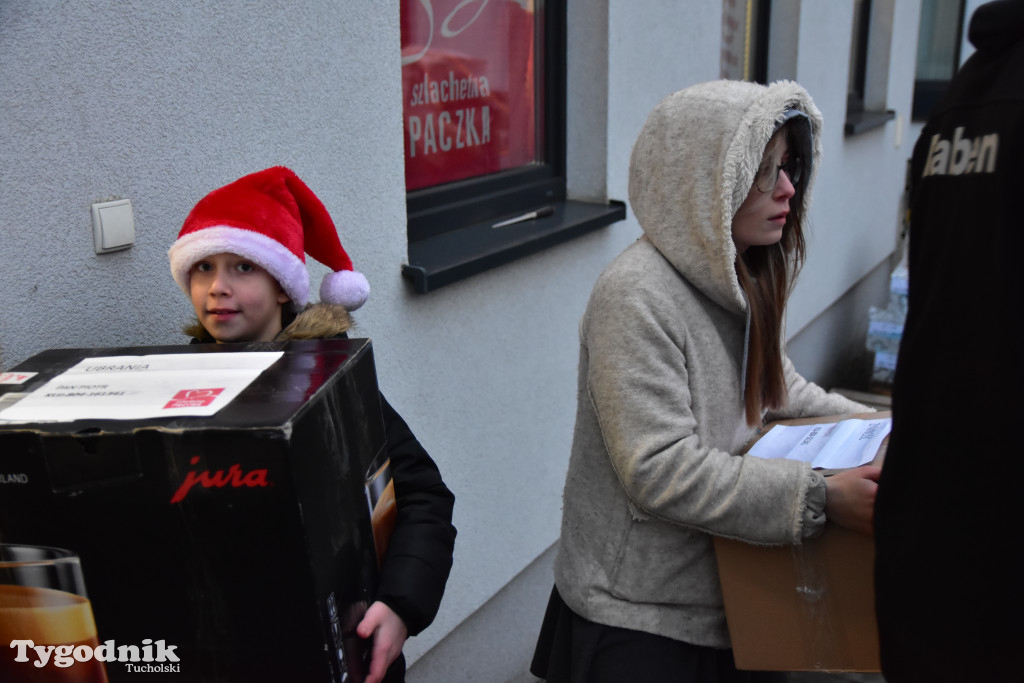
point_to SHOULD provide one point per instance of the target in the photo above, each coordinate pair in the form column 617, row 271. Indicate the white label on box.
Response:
column 139, row 387
column 15, row 377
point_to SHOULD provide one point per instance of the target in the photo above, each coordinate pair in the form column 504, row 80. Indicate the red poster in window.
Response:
column 468, row 88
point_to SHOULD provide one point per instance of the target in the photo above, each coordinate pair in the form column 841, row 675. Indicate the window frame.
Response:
column 756, row 68
column 870, row 61
column 759, row 68
column 927, row 93
column 859, row 63
column 450, row 226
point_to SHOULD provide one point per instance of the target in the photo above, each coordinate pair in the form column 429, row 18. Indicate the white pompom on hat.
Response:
column 273, row 219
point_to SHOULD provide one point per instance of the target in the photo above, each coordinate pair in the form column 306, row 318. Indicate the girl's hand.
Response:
column 850, row 498
column 389, row 635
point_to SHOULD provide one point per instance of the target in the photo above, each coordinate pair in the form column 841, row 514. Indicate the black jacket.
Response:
column 419, row 556
column 947, row 517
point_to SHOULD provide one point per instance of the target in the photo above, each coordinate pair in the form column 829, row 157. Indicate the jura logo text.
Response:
column 233, row 477
column 962, row 154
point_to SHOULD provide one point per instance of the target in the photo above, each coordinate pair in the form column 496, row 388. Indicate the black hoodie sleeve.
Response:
column 419, row 555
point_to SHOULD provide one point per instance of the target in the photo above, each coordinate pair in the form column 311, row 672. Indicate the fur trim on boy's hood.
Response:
column 693, row 165
column 315, row 321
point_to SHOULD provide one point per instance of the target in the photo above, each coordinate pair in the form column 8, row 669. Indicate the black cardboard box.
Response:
column 244, row 539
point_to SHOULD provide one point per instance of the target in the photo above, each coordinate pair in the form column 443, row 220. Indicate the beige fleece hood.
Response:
column 684, row 195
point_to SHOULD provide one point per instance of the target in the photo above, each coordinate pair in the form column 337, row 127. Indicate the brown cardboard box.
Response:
column 803, row 608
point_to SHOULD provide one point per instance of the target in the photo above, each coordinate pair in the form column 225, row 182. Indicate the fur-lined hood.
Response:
column 685, row 195
column 315, row 321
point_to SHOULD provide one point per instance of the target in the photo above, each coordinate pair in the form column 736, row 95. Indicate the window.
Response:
column 868, row 75
column 484, row 128
column 938, row 52
column 858, row 56
column 745, row 25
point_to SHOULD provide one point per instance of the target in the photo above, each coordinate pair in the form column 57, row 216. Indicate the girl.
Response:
column 681, row 361
column 240, row 256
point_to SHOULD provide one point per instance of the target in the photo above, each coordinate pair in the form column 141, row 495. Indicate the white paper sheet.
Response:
column 832, row 445
column 139, row 387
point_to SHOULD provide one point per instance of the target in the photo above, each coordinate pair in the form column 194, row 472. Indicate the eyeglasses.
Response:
column 768, row 174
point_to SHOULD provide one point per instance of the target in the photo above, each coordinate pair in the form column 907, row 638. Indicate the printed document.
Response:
column 831, row 445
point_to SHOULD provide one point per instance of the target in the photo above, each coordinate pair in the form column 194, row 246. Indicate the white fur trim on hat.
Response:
column 289, row 271
column 346, row 287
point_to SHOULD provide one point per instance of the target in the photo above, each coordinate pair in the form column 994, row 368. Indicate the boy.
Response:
column 240, row 256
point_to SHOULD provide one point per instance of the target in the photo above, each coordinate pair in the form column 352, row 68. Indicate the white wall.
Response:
column 853, row 225
column 161, row 102
column 655, row 48
column 854, row 219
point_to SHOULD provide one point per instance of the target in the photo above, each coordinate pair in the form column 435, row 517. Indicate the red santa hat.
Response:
column 273, row 219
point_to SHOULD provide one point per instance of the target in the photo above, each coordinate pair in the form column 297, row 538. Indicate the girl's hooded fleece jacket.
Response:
column 655, row 469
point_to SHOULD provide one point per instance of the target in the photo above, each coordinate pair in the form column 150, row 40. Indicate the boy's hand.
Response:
column 389, row 633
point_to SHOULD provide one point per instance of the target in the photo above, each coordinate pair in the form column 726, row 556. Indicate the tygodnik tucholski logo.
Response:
column 151, row 657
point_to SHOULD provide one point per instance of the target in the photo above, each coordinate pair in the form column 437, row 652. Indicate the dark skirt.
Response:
column 571, row 649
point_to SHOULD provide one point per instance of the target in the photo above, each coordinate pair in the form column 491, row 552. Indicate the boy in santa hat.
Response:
column 240, row 256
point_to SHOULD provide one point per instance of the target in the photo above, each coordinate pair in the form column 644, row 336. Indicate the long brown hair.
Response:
column 767, row 274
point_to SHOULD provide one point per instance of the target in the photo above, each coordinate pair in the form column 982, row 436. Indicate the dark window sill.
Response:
column 455, row 255
column 863, row 121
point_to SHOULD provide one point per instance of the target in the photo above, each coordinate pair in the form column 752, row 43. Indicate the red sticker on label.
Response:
column 193, row 398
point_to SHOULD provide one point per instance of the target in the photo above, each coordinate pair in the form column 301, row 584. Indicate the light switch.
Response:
column 113, row 225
